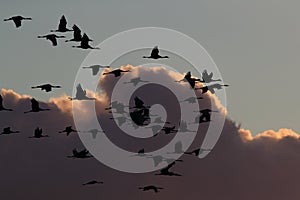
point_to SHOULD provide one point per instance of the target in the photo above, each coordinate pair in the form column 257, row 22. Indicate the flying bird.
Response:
column 7, row 131
column 183, row 127
column 155, row 54
column 94, row 132
column 38, row 133
column 52, row 38
column 117, row 106
column 151, row 187
column 81, row 154
column 158, row 159
column 188, row 78
column 62, row 26
column 35, row 107
column 165, row 171
column 81, row 94
column 1, row 105
column 191, row 99
column 205, row 115
column 96, row 68
column 68, row 130
column 92, row 182
column 211, row 88
column 116, row 72
column 77, row 37
column 17, row 20
column 207, row 78
column 197, row 152
column 84, row 43
column 47, row 87
column 135, row 81
column 167, row 130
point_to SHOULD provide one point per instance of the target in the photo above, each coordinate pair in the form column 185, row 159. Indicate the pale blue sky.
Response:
column 255, row 45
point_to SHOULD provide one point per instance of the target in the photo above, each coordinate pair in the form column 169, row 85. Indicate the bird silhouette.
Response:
column 76, row 35
column 93, row 182
column 116, row 72
column 80, row 154
column 94, row 132
column 167, row 130
column 120, row 120
column 81, row 94
column 96, row 68
column 197, row 152
column 62, row 26
column 183, row 127
column 7, row 131
column 207, row 78
column 177, row 148
column 158, row 120
column 155, row 54
column 47, row 87
column 158, row 159
column 136, row 81
column 191, row 99
column 17, row 20
column 38, row 133
column 165, row 171
column 205, row 115
column 35, row 107
column 188, row 78
column 151, row 187
column 117, row 106
column 84, row 43
column 68, row 130
column 52, row 38
column 1, row 105
column 211, row 88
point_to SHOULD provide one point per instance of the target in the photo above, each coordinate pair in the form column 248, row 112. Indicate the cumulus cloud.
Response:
column 241, row 166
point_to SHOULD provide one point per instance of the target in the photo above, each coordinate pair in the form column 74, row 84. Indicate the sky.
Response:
column 253, row 43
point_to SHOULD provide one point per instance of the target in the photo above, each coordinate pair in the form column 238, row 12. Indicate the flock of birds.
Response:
column 139, row 113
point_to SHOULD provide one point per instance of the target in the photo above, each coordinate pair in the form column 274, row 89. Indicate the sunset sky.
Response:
column 255, row 45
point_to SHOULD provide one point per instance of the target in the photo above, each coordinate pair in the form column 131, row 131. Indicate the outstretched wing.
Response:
column 95, row 70
column 53, row 41
column 18, row 22
column 62, row 23
column 1, row 100
column 77, row 31
column 79, row 91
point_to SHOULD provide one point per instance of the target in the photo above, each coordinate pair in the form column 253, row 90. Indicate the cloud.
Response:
column 241, row 166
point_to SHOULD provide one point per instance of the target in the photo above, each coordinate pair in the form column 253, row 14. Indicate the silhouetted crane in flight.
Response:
column 81, row 94
column 94, row 132
column 151, row 187
column 211, row 88
column 207, row 78
column 155, row 54
column 47, row 87
column 38, row 133
column 188, row 78
column 158, row 159
column 197, row 152
column 205, row 115
column 165, row 171
column 1, row 105
column 68, row 130
column 35, row 106
column 17, row 20
column 84, row 43
column 62, row 26
column 81, row 154
column 135, row 81
column 96, row 68
column 119, row 107
column 76, row 35
column 93, row 182
column 116, row 72
column 191, row 99
column 7, row 131
column 51, row 38
column 183, row 127
column 167, row 130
